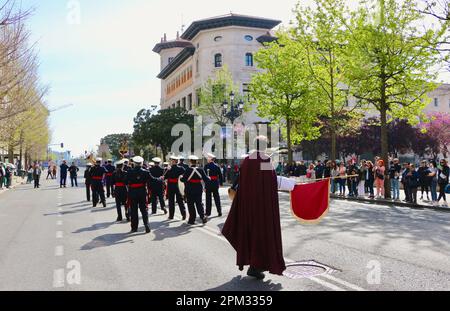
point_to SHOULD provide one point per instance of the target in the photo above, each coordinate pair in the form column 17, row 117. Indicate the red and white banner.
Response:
column 310, row 202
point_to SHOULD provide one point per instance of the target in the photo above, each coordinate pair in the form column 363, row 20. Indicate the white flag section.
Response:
column 286, row 184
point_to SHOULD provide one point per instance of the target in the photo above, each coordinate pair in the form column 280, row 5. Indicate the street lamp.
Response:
column 235, row 111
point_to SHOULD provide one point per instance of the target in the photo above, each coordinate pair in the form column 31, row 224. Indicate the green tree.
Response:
column 322, row 34
column 389, row 62
column 155, row 129
column 284, row 90
column 214, row 92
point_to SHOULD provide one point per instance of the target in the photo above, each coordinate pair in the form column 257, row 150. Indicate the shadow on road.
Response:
column 162, row 230
column 109, row 239
column 95, row 227
column 240, row 283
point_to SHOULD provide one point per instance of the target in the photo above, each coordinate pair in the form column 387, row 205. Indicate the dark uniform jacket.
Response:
column 97, row 173
column 87, row 176
column 109, row 171
column 215, row 174
column 137, row 180
column 194, row 185
column 183, row 165
column 156, row 183
column 119, row 178
column 172, row 176
column 73, row 170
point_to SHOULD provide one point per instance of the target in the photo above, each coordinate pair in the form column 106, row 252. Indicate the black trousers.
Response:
column 98, row 191
column 209, row 194
column 413, row 194
column 63, row 180
column 120, row 194
column 194, row 203
column 74, row 181
column 172, row 194
column 138, row 203
column 408, row 196
column 157, row 195
column 36, row 181
column 88, row 192
column 109, row 187
column 442, row 192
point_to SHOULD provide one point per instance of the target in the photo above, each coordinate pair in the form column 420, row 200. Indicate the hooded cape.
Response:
column 253, row 224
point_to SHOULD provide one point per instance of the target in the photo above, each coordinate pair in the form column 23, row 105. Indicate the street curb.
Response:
column 392, row 203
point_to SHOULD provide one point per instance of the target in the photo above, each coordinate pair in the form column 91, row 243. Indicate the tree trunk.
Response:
column 333, row 143
column 11, row 154
column 289, row 143
column 384, row 150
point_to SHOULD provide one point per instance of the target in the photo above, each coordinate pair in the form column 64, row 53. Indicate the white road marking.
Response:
column 60, row 209
column 342, row 282
column 219, row 236
column 326, row 284
column 59, row 251
column 59, row 223
column 58, row 278
column 59, row 234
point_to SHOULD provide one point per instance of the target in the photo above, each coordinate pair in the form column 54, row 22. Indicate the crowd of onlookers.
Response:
column 368, row 178
column 6, row 174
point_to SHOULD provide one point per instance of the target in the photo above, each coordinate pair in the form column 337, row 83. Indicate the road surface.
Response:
column 51, row 239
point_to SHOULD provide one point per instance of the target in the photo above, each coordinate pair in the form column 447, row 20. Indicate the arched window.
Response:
column 249, row 60
column 218, row 60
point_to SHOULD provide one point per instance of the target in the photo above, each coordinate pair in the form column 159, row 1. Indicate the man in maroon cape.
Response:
column 253, row 224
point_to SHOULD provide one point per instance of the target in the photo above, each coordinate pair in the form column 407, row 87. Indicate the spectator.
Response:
column 73, row 170
column 424, row 180
column 63, row 174
column 361, row 180
column 37, row 175
column 443, row 178
column 49, row 172
column 311, row 172
column 8, row 176
column 334, row 177
column 394, row 177
column 327, row 170
column 54, row 171
column 404, row 181
column 379, row 178
column 279, row 169
column 369, row 178
column 342, row 179
column 30, row 174
column 413, row 183
column 319, row 169
column 2, row 175
column 354, row 181
column 301, row 171
column 433, row 181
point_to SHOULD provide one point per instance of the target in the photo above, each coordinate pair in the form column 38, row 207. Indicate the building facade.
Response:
column 204, row 48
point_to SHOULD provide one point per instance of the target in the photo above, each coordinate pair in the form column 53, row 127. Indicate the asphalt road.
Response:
column 51, row 239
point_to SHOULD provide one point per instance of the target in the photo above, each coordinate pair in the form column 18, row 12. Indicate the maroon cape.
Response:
column 253, row 225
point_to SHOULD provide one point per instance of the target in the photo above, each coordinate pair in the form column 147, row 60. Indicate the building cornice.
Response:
column 171, row 44
column 177, row 62
column 228, row 20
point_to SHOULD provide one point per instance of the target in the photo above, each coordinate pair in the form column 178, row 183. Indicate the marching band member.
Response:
column 120, row 190
column 172, row 177
column 193, row 178
column 157, row 187
column 212, row 187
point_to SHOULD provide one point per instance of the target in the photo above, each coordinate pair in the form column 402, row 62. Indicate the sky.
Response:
column 101, row 60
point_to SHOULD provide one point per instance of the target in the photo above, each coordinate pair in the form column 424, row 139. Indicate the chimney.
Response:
column 178, row 35
column 162, row 39
column 165, row 37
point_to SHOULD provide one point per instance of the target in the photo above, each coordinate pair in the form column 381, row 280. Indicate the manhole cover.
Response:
column 306, row 269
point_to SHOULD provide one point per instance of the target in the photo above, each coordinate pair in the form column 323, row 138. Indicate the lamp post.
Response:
column 235, row 110
column 232, row 111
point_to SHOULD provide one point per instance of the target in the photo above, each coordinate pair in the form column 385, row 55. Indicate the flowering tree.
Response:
column 439, row 129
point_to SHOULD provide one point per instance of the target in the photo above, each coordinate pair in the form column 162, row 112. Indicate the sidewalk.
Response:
column 16, row 181
column 421, row 204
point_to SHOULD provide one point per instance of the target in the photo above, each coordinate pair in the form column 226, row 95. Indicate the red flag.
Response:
column 310, row 202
